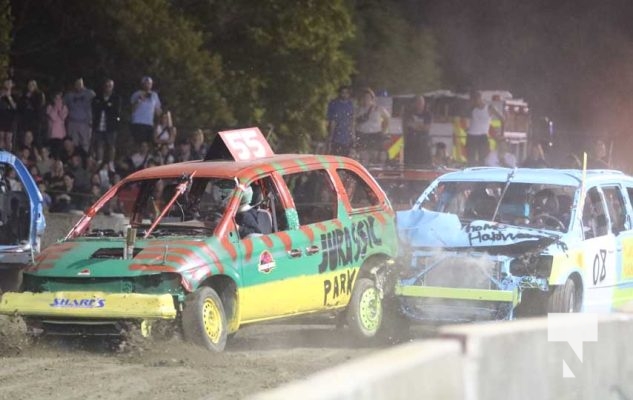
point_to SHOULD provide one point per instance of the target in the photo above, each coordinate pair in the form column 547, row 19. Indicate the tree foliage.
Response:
column 61, row 40
column 225, row 63
column 5, row 35
column 283, row 60
column 391, row 53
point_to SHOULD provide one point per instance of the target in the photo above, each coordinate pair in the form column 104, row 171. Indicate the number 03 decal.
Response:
column 246, row 144
column 599, row 266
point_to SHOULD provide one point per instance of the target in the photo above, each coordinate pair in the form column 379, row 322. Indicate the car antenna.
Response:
column 505, row 189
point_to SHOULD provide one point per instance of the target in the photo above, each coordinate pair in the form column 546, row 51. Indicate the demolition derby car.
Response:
column 22, row 220
column 242, row 237
column 493, row 243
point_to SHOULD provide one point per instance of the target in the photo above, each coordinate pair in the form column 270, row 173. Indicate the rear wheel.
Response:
column 203, row 319
column 565, row 298
column 364, row 312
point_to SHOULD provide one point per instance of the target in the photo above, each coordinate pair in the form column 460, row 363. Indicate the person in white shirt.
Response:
column 500, row 157
column 372, row 122
column 477, row 146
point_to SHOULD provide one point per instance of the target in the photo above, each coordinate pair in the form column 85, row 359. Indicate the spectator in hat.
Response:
column 145, row 107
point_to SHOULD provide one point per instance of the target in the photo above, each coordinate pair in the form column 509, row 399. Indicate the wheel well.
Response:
column 375, row 260
column 226, row 288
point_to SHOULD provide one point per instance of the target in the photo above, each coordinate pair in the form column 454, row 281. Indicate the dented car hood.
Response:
column 428, row 229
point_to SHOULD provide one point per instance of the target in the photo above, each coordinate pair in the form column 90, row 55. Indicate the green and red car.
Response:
column 324, row 228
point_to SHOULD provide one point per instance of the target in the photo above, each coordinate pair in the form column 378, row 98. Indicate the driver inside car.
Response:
column 246, row 216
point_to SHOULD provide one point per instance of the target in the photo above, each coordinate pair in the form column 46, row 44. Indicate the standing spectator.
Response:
column 198, row 147
column 372, row 122
column 535, row 157
column 340, row 118
column 8, row 112
column 56, row 113
column 106, row 113
column 79, row 122
column 416, row 126
column 501, row 157
column 477, row 146
column 31, row 109
column 165, row 132
column 145, row 107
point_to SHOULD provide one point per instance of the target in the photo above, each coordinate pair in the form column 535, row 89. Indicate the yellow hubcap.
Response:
column 211, row 320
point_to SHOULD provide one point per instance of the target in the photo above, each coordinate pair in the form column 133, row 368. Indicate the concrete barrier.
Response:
column 488, row 361
column 429, row 369
column 59, row 224
column 515, row 360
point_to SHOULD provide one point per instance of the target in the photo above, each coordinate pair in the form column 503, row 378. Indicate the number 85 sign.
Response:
column 246, row 144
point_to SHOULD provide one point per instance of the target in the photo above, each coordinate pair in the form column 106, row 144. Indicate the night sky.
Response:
column 572, row 60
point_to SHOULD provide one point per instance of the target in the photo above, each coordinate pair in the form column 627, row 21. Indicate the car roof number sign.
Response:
column 246, row 144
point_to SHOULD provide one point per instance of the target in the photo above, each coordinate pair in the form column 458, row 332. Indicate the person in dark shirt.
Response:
column 416, row 126
column 246, row 216
column 340, row 117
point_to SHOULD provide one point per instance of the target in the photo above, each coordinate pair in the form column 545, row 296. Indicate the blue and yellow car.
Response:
column 493, row 243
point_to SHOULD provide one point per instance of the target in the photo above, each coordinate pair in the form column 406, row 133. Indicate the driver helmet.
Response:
column 245, row 201
column 221, row 192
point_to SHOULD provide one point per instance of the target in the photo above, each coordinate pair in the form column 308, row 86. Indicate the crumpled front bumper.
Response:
column 88, row 305
column 507, row 296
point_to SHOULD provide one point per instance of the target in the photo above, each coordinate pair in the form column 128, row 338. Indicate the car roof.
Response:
column 566, row 177
column 246, row 169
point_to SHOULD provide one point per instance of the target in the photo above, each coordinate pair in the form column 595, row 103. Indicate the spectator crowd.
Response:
column 360, row 128
column 69, row 140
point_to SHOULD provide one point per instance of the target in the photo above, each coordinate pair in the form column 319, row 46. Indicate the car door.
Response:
column 323, row 277
column 267, row 264
column 620, row 196
column 599, row 253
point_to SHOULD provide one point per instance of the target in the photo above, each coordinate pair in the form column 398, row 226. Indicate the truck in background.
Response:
column 451, row 111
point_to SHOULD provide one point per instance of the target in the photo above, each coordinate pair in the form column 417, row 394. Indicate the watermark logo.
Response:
column 575, row 329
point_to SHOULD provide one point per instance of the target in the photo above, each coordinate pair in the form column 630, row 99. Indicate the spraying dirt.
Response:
column 257, row 358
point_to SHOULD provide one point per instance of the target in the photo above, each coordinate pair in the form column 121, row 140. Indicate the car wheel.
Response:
column 364, row 312
column 203, row 319
column 565, row 298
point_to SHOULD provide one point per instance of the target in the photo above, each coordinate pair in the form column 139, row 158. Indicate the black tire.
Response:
column 565, row 298
column 364, row 312
column 203, row 308
column 395, row 327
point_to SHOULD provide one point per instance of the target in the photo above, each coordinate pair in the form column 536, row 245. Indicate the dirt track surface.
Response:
column 259, row 357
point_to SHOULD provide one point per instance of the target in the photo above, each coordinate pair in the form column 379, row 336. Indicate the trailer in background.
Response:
column 451, row 112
